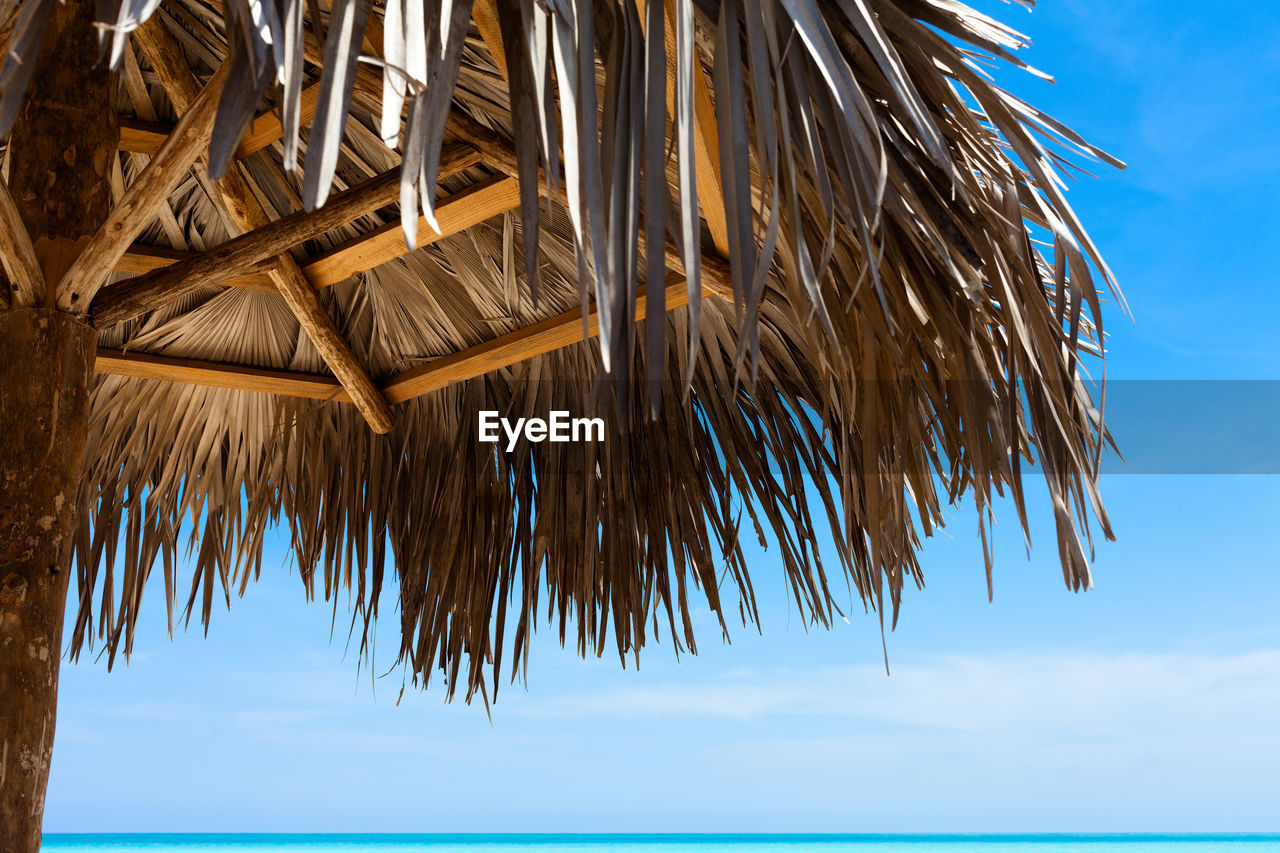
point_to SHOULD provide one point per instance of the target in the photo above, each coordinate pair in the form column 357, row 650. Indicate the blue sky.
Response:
column 1146, row 704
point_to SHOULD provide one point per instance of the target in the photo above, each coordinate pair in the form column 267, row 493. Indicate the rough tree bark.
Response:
column 61, row 146
column 59, row 156
column 46, row 358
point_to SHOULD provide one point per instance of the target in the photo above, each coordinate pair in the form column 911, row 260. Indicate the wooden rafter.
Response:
column 241, row 255
column 236, row 260
column 489, row 198
column 706, row 139
column 216, row 374
column 461, row 211
column 485, row 15
column 303, row 301
column 136, row 88
column 247, row 213
column 142, row 259
column 267, row 128
column 505, row 351
column 139, row 136
column 19, row 257
column 142, row 199
column 455, row 213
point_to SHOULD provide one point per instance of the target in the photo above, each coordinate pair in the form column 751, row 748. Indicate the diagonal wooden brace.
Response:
column 247, row 213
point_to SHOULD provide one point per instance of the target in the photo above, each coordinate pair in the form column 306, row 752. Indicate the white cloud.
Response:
column 1017, row 742
column 997, row 695
column 1008, row 742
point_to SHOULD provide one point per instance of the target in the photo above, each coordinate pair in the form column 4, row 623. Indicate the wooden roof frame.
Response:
column 502, row 352
column 254, row 259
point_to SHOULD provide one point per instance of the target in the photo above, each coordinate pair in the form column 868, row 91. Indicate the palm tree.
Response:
column 266, row 264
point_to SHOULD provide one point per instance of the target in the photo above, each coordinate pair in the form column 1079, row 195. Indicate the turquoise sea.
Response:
column 228, row 843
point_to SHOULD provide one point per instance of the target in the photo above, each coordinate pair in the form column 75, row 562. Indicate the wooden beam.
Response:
column 18, row 255
column 500, row 154
column 142, row 137
column 496, row 150
column 456, row 213
column 247, row 213
column 145, row 137
column 136, row 88
column 141, row 259
column 142, row 199
column 216, row 375
column 367, row 85
column 168, row 62
column 238, row 256
column 485, row 15
column 507, row 350
column 504, row 351
column 459, row 212
column 706, row 135
column 301, row 297
column 267, row 128
column 706, row 138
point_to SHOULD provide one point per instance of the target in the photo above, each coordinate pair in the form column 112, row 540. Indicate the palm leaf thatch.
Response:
column 864, row 297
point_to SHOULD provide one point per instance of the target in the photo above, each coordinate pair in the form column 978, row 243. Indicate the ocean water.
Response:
column 660, row 843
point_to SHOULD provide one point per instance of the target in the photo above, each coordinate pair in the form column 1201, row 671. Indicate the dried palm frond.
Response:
column 912, row 298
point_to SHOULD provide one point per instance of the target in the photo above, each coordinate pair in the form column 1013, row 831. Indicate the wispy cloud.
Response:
column 997, row 695
column 281, row 716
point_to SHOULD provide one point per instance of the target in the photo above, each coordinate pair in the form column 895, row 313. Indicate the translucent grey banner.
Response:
column 1158, row 426
column 1193, row 426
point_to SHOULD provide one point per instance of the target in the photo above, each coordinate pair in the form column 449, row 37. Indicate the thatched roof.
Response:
column 877, row 301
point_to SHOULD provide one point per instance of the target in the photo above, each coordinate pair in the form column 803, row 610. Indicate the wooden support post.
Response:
column 247, row 213
column 59, row 174
column 59, row 161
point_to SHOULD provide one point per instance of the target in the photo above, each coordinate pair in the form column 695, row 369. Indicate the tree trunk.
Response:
column 63, row 142
column 59, row 167
column 46, row 360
